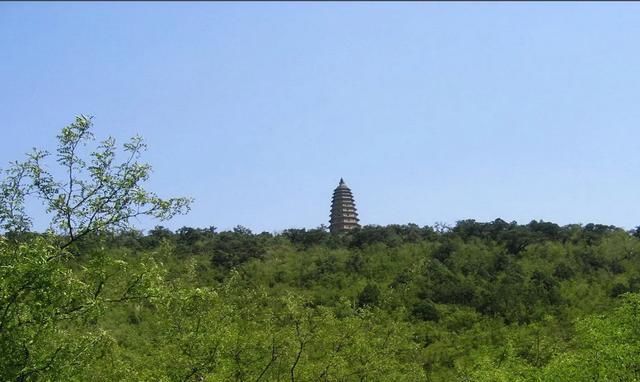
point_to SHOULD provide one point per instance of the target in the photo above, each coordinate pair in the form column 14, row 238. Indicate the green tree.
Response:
column 50, row 305
column 95, row 192
column 370, row 296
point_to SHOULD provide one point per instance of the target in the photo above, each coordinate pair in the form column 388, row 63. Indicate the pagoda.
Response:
column 344, row 216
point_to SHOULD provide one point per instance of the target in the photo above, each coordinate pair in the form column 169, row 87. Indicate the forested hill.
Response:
column 518, row 273
column 491, row 301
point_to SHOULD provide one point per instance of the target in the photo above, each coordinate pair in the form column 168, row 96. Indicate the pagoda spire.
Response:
column 344, row 215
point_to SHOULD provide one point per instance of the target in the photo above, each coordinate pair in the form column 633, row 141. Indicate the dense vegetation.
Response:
column 94, row 299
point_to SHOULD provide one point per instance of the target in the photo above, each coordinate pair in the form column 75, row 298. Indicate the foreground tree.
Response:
column 50, row 304
column 94, row 193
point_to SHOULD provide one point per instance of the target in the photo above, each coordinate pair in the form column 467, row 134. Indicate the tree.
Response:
column 235, row 247
column 49, row 312
column 370, row 296
column 50, row 304
column 95, row 193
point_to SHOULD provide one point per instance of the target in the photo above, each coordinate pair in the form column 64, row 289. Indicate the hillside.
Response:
column 476, row 302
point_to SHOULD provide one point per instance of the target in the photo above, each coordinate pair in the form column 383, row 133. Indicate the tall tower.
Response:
column 343, row 210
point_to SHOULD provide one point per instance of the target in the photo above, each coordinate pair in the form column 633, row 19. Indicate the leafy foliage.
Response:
column 95, row 193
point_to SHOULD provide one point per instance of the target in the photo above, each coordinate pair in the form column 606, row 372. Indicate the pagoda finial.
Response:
column 341, row 181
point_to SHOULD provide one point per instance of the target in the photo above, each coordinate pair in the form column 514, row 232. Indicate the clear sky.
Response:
column 432, row 112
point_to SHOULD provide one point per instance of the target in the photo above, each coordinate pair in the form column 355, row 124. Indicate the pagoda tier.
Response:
column 344, row 215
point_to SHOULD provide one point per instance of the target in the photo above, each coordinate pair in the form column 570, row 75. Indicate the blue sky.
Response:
column 432, row 112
